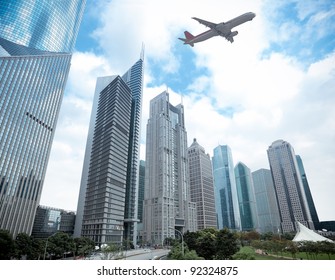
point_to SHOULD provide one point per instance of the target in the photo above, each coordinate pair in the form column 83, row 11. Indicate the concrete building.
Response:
column 202, row 185
column 101, row 203
column 114, row 129
column 167, row 205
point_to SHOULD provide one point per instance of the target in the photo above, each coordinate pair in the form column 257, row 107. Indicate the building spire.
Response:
column 142, row 51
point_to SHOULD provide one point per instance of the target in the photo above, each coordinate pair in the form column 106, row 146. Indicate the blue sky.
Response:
column 276, row 81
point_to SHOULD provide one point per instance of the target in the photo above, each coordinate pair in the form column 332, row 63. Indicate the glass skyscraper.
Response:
column 289, row 188
column 226, row 202
column 246, row 198
column 134, row 79
column 309, row 197
column 266, row 202
column 36, row 41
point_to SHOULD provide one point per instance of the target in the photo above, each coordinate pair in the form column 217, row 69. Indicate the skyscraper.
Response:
column 134, row 79
column 36, row 41
column 246, row 198
column 266, row 202
column 309, row 197
column 119, row 129
column 289, row 188
column 226, row 202
column 202, row 186
column 167, row 204
column 101, row 203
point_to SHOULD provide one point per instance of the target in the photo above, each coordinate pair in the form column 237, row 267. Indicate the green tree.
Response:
column 190, row 238
column 6, row 245
column 111, row 251
column 206, row 243
column 23, row 246
column 83, row 246
column 327, row 248
column 60, row 244
column 226, row 244
column 37, row 250
column 177, row 254
column 292, row 247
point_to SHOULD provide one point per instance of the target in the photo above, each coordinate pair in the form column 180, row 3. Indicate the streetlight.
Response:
column 182, row 239
column 46, row 244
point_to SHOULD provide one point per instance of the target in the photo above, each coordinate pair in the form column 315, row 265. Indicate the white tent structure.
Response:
column 305, row 234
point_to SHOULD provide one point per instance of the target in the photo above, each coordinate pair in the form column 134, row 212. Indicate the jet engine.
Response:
column 231, row 35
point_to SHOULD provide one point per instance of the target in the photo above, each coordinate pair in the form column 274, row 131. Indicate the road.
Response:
column 148, row 254
column 139, row 254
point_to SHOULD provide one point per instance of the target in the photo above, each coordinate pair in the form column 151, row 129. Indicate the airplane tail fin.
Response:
column 188, row 37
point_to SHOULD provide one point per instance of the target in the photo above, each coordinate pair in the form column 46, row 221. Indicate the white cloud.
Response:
column 268, row 98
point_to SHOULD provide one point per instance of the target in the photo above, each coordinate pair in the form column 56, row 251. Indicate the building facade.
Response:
column 226, row 201
column 266, row 202
column 134, row 79
column 101, row 203
column 246, row 198
column 167, row 204
column 202, row 185
column 141, row 186
column 309, row 197
column 36, row 41
column 49, row 220
column 290, row 194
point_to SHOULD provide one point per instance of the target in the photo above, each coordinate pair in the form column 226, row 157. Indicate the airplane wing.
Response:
column 206, row 23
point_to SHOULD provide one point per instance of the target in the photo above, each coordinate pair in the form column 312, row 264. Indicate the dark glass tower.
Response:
column 309, row 197
column 134, row 79
column 246, row 198
column 36, row 40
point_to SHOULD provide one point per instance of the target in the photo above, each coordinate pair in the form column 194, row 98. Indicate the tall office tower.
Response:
column 226, row 202
column 266, row 202
column 246, row 198
column 36, row 41
column 289, row 188
column 101, row 203
column 310, row 201
column 167, row 204
column 202, row 185
column 134, row 79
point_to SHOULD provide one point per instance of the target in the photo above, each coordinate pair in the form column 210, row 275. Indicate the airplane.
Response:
column 223, row 29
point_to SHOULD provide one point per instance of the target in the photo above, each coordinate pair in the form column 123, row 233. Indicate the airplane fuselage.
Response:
column 222, row 29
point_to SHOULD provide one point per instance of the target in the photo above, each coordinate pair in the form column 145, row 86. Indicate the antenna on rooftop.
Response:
column 142, row 52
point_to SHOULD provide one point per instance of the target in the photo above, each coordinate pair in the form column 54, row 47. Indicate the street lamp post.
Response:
column 46, row 244
column 182, row 239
